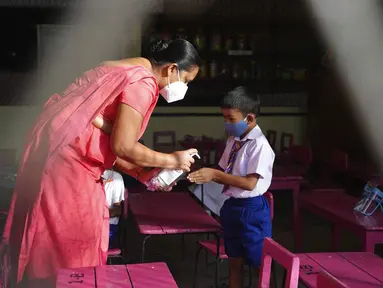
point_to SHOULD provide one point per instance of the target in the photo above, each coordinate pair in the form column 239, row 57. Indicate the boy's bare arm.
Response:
column 208, row 174
column 114, row 211
column 247, row 182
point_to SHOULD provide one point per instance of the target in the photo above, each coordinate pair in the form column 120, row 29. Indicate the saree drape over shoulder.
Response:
column 59, row 216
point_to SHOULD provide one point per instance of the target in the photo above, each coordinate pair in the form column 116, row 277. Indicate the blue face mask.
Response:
column 236, row 129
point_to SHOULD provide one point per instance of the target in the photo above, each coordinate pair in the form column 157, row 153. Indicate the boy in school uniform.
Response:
column 115, row 193
column 247, row 165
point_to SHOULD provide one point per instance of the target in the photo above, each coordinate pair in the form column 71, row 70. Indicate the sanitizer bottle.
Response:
column 166, row 179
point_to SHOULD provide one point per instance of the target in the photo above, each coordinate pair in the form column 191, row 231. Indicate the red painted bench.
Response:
column 120, row 276
column 337, row 207
column 354, row 269
column 273, row 251
column 169, row 213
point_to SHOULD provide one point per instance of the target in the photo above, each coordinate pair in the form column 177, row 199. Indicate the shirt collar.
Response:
column 254, row 133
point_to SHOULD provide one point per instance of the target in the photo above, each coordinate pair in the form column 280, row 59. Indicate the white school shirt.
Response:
column 255, row 157
column 114, row 191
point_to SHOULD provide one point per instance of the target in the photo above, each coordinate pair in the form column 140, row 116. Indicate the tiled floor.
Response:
column 317, row 237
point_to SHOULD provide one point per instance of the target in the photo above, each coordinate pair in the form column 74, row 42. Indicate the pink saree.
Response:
column 58, row 217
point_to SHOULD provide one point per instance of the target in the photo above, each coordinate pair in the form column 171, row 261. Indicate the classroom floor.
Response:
column 317, row 238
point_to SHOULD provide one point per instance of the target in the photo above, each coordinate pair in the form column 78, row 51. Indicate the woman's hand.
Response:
column 184, row 159
column 100, row 123
column 147, row 173
column 167, row 189
column 202, row 175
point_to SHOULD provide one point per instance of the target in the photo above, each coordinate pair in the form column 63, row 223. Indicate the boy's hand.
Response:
column 202, row 175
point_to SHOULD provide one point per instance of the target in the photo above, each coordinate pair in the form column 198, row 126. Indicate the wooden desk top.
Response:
column 283, row 173
column 338, row 207
column 170, row 213
column 145, row 275
column 355, row 269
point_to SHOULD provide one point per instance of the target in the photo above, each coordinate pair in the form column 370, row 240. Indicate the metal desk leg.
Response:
column 202, row 196
column 218, row 262
column 296, row 216
column 203, row 207
column 196, row 267
column 183, row 246
column 143, row 247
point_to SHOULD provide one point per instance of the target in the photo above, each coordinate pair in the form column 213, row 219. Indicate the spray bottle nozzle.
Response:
column 196, row 155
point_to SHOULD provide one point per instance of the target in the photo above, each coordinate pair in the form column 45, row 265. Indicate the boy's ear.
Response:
column 251, row 118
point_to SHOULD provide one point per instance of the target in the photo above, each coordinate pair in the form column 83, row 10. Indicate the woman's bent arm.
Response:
column 124, row 141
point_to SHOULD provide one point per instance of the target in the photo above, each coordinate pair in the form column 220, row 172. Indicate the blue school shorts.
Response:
column 245, row 222
column 113, row 235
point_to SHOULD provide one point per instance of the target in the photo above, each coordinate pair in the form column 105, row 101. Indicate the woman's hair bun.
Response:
column 178, row 51
column 158, row 46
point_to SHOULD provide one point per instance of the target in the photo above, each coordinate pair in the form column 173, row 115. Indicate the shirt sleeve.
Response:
column 107, row 174
column 226, row 153
column 140, row 95
column 261, row 160
column 118, row 188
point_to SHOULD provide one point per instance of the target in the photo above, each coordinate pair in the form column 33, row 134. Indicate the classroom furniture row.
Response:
column 335, row 269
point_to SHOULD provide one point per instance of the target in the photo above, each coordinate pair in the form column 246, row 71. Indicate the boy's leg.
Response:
column 231, row 222
column 257, row 226
column 236, row 272
column 112, row 235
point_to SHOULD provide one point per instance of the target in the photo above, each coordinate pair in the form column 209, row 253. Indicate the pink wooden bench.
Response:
column 301, row 156
column 169, row 213
column 337, row 207
column 147, row 275
column 289, row 178
column 326, row 280
column 287, row 141
column 354, row 269
column 336, row 165
column 273, row 251
column 271, row 136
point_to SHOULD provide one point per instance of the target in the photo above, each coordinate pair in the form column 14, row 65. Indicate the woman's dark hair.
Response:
column 177, row 51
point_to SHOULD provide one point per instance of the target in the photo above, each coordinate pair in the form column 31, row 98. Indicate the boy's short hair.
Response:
column 242, row 99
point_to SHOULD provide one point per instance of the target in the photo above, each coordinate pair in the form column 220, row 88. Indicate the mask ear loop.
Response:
column 179, row 77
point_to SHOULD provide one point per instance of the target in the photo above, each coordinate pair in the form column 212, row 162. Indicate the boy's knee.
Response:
column 236, row 264
column 236, row 272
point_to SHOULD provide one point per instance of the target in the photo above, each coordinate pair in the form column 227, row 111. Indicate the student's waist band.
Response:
column 250, row 201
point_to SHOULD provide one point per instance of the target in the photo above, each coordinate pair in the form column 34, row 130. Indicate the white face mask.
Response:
column 174, row 91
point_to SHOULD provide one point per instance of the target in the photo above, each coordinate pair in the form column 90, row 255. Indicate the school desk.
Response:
column 289, row 178
column 337, row 207
column 146, row 275
column 355, row 269
column 169, row 213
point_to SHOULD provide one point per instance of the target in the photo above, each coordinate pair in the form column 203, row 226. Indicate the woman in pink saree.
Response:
column 59, row 217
